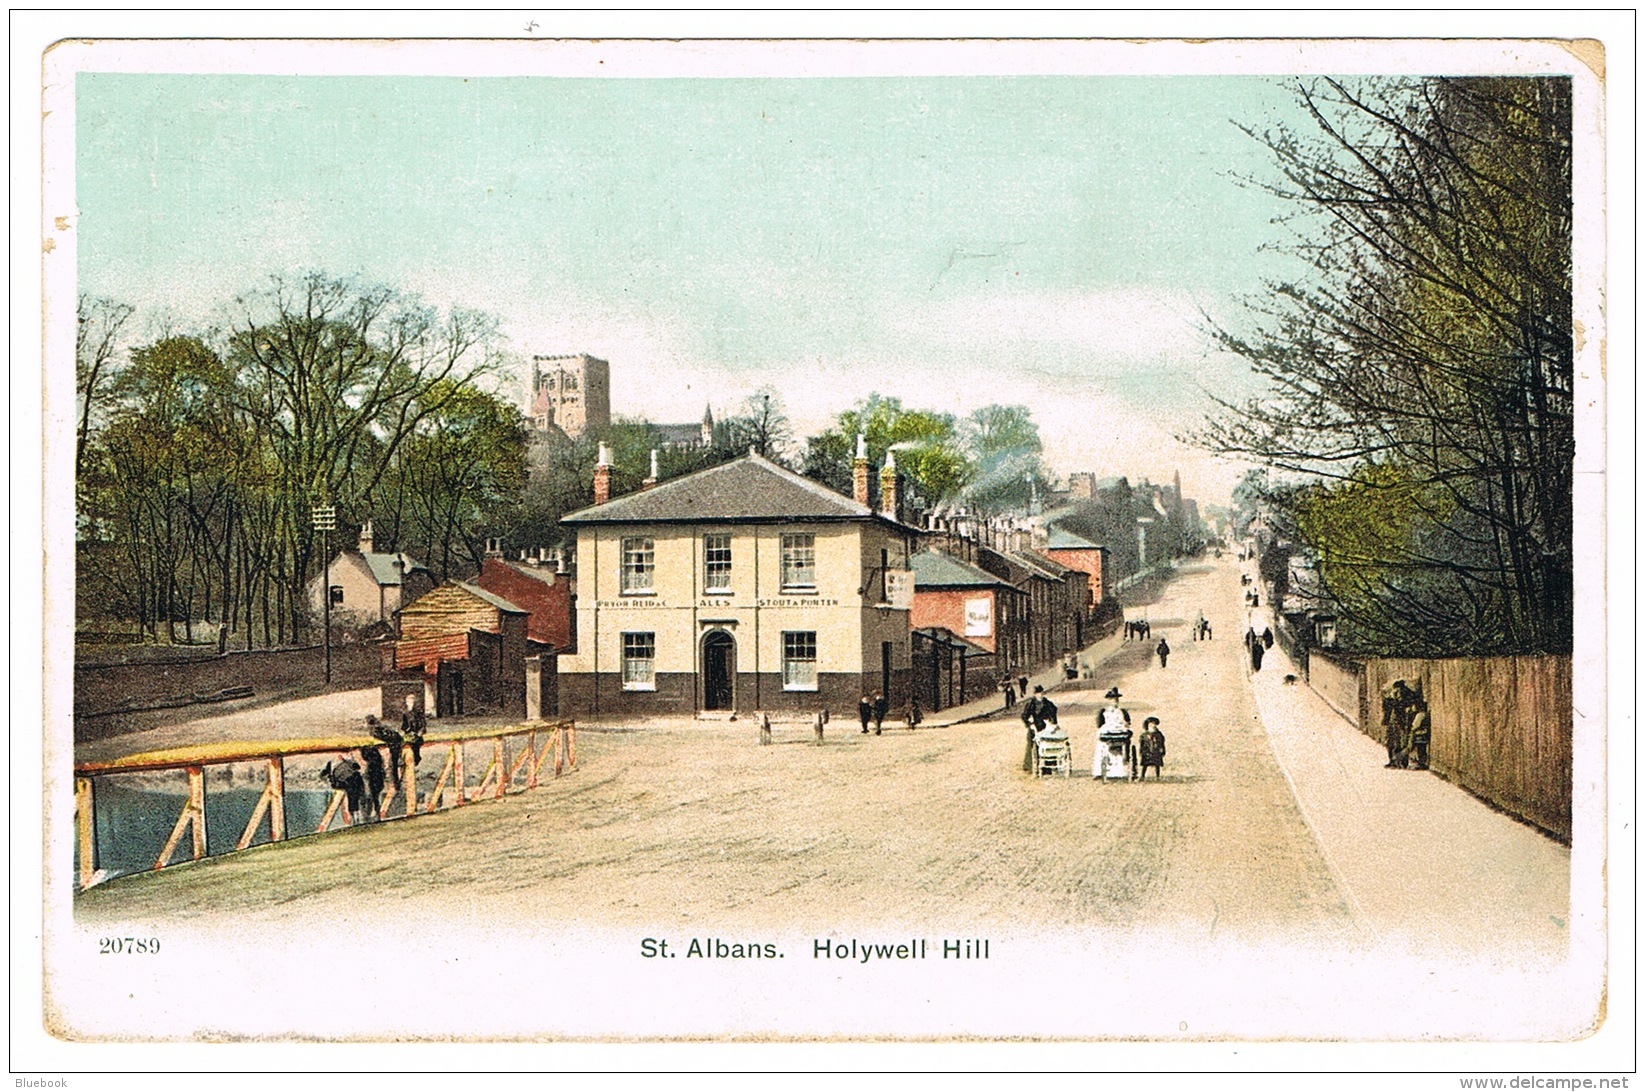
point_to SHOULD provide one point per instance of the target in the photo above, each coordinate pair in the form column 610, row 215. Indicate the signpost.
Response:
column 325, row 521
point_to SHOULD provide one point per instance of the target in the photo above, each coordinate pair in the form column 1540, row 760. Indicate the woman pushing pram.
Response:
column 1116, row 754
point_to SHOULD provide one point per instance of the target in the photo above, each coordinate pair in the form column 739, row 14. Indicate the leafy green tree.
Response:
column 1004, row 447
column 927, row 444
column 457, row 478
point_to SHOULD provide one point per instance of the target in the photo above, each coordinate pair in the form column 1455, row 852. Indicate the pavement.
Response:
column 1410, row 850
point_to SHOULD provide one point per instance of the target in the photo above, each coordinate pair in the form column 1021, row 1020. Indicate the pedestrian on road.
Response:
column 1150, row 749
column 1398, row 709
column 881, row 707
column 1022, row 686
column 1267, row 637
column 395, row 741
column 1113, row 740
column 414, row 726
column 865, row 712
column 1417, row 742
column 1030, row 710
column 1162, row 650
column 1010, row 688
column 1254, row 643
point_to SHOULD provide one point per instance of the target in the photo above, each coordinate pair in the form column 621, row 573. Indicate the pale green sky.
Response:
column 955, row 241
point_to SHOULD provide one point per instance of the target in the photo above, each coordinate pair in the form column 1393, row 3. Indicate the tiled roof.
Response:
column 948, row 637
column 1060, row 538
column 491, row 597
column 386, row 572
column 1038, row 564
column 936, row 570
column 441, row 600
column 750, row 489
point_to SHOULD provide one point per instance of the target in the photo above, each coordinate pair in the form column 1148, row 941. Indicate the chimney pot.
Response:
column 602, row 476
column 859, row 472
column 890, row 502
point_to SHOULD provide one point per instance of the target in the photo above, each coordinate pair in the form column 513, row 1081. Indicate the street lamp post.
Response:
column 325, row 521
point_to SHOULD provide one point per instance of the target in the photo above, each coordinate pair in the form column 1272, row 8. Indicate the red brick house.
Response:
column 971, row 626
column 539, row 588
column 1076, row 552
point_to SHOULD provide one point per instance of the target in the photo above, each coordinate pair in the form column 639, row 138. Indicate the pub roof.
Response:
column 751, row 489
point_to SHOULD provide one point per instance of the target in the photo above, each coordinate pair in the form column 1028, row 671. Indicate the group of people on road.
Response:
column 1407, row 727
column 362, row 783
column 1119, row 756
column 1257, row 644
column 872, row 709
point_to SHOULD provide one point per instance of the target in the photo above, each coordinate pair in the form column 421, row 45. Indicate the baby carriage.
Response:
column 1116, row 755
column 1053, row 753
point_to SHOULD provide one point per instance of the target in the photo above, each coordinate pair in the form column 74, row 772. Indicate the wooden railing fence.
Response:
column 504, row 773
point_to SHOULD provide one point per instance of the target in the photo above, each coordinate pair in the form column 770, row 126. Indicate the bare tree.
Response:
column 1421, row 378
column 96, row 339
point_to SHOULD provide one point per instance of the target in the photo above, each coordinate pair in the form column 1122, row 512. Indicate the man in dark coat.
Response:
column 1398, row 708
column 865, row 712
column 344, row 774
column 1254, row 643
column 372, row 758
column 388, row 735
column 1037, row 711
column 1162, row 650
column 414, row 726
column 881, row 708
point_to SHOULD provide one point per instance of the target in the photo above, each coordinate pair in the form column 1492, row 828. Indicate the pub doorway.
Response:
column 719, row 670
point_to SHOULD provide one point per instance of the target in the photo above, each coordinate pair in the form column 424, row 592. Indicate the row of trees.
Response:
column 201, row 456
column 1420, row 379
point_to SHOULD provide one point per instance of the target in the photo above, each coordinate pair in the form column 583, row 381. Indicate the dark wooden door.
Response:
column 719, row 671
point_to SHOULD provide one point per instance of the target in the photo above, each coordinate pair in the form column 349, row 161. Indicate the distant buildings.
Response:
column 570, row 393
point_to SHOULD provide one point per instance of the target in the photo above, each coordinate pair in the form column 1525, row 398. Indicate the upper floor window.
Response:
column 639, row 565
column 717, row 563
column 336, row 595
column 799, row 562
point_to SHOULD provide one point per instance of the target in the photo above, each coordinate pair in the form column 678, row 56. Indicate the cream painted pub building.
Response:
column 742, row 587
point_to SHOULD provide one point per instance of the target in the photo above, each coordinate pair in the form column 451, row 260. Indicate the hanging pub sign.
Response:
column 899, row 588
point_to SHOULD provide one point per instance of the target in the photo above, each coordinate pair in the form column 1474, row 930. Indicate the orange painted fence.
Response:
column 517, row 758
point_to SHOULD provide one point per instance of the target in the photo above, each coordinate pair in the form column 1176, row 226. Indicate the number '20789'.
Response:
column 128, row 945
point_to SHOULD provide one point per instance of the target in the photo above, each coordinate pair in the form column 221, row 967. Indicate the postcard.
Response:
column 1081, row 542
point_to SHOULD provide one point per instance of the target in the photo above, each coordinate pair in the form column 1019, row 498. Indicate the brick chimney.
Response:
column 494, row 547
column 602, row 476
column 859, row 471
column 652, row 480
column 890, row 503
column 366, row 541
